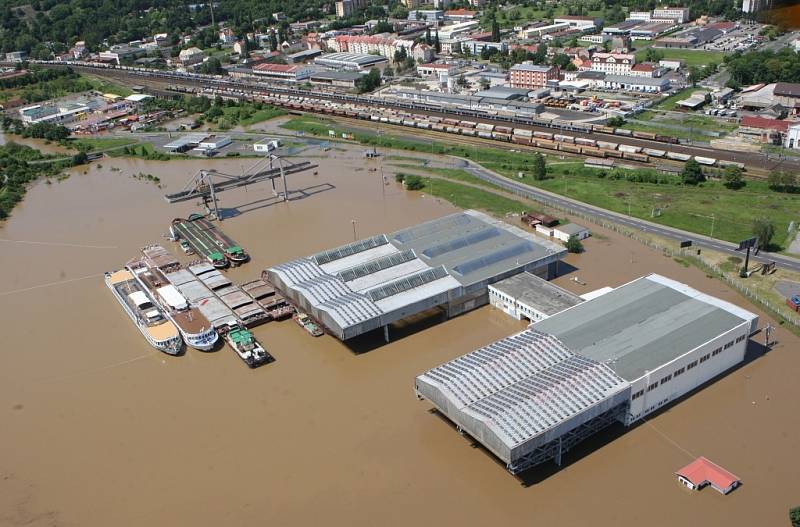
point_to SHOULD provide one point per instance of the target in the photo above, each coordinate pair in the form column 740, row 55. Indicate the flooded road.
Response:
column 100, row 429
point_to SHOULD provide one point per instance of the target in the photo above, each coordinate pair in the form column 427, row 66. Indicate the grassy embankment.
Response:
column 684, row 207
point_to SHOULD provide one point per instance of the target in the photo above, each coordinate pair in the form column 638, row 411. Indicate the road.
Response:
column 548, row 198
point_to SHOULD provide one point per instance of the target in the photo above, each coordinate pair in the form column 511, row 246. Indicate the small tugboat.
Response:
column 246, row 346
column 306, row 323
column 236, row 255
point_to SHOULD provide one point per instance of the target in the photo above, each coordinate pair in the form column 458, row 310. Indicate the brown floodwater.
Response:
column 100, row 429
column 42, row 146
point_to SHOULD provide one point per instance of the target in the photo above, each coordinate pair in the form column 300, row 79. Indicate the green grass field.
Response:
column 683, row 207
column 93, row 144
column 691, row 57
column 467, row 197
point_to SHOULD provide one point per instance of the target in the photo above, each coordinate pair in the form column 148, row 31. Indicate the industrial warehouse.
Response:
column 446, row 263
column 618, row 357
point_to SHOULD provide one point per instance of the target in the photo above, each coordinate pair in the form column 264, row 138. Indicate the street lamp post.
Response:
column 354, row 229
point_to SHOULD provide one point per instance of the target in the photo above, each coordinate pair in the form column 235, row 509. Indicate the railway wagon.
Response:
column 504, row 130
column 520, row 140
column 450, row 122
column 564, row 138
column 585, row 142
column 364, row 115
column 677, row 156
column 731, row 164
column 613, row 153
column 566, row 147
column 642, row 158
column 652, row 152
column 706, row 161
column 522, row 132
column 546, row 143
column 469, row 131
column 667, row 139
column 440, row 127
column 384, row 119
column 630, row 149
column 468, row 124
column 374, row 117
column 543, row 135
column 485, row 127
column 500, row 136
column 434, row 119
column 424, row 125
column 396, row 121
column 607, row 145
column 603, row 129
column 452, row 129
column 592, row 151
column 409, row 122
column 644, row 135
column 485, row 135
column 623, row 132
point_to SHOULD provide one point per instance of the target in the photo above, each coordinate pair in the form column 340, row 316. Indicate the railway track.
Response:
column 757, row 163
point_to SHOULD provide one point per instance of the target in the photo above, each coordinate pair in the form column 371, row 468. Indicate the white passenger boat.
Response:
column 160, row 332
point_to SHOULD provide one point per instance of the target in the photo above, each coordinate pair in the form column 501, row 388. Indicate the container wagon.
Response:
column 520, row 140
column 607, row 145
column 623, row 132
column 523, row 132
column 504, row 130
column 564, row 138
column 566, row 147
column 485, row 127
column 644, row 135
column 439, row 127
column 450, row 122
column 543, row 135
column 707, row 161
column 452, row 129
column 603, row 129
column 500, row 136
column 677, row 156
column 652, row 152
column 667, row 139
column 613, row 153
column 468, row 124
column 469, row 131
column 629, row 149
column 642, row 158
column 546, row 143
column 484, row 134
column 585, row 142
column 592, row 151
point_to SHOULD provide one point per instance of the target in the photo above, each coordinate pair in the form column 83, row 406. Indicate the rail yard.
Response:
column 575, row 138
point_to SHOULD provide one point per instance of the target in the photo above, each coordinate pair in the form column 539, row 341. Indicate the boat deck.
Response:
column 191, row 321
column 202, row 298
column 159, row 257
column 118, row 277
column 164, row 331
column 203, row 237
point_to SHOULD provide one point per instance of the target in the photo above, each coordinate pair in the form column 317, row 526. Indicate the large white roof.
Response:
column 172, row 296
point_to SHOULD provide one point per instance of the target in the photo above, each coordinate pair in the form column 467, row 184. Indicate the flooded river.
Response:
column 100, row 429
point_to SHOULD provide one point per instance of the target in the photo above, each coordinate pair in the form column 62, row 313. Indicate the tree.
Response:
column 437, row 46
column 412, row 182
column 495, row 30
column 692, row 174
column 388, row 72
column 539, row 168
column 794, row 516
column 782, row 181
column 428, row 39
column 573, row 245
column 615, row 121
column 764, row 230
column 732, row 177
column 212, row 66
column 370, row 81
column 561, row 60
column 80, row 159
column 484, row 82
column 462, row 81
column 273, row 41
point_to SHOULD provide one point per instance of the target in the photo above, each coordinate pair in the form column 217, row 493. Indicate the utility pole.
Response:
column 354, row 229
column 211, row 6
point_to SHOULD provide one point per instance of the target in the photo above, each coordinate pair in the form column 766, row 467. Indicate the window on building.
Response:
column 729, row 344
column 652, row 386
column 705, row 358
column 666, row 379
column 679, row 371
column 691, row 365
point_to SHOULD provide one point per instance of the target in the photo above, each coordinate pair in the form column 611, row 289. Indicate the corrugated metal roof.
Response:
column 640, row 326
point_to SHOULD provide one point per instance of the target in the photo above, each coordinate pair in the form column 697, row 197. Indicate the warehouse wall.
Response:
column 644, row 402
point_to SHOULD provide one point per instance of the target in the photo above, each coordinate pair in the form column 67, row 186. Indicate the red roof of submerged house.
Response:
column 702, row 470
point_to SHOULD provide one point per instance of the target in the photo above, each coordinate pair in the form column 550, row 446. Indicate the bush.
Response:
column 692, row 173
column 573, row 245
column 794, row 516
column 732, row 177
column 233, row 154
column 399, row 177
column 414, row 183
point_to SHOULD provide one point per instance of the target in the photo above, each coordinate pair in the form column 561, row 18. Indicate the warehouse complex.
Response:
column 618, row 357
column 446, row 263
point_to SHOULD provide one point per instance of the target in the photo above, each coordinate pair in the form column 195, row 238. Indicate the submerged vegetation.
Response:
column 18, row 169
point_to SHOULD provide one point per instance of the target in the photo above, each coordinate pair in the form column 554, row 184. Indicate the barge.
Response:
column 149, row 272
column 247, row 311
column 157, row 330
column 304, row 321
column 209, row 242
column 265, row 295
